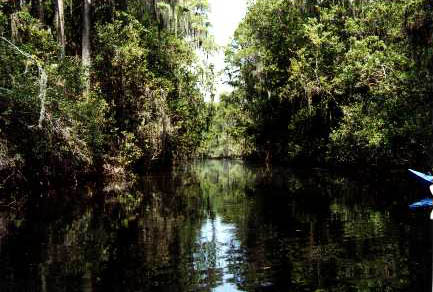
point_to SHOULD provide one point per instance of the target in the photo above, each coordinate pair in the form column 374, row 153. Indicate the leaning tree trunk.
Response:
column 86, row 44
column 60, row 24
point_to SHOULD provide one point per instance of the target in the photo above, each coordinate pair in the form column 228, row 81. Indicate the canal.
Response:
column 222, row 225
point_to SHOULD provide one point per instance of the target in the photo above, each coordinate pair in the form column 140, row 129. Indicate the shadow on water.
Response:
column 222, row 226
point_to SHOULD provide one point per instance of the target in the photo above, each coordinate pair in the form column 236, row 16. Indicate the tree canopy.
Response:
column 101, row 85
column 341, row 82
column 112, row 86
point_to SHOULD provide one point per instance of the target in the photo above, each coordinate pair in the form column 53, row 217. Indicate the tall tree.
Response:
column 38, row 10
column 123, row 5
column 60, row 24
column 86, row 42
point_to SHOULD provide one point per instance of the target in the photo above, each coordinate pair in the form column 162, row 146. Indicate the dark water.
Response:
column 222, row 226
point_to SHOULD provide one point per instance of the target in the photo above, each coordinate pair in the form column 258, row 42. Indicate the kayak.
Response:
column 422, row 177
column 427, row 180
column 424, row 203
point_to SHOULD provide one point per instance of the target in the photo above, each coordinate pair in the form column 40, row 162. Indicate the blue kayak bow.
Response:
column 422, row 177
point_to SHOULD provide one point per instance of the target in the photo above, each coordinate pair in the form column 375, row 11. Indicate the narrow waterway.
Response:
column 222, row 225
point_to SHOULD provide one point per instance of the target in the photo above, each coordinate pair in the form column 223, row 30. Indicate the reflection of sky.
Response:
column 222, row 235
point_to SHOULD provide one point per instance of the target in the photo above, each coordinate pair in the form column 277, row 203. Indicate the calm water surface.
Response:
column 222, row 226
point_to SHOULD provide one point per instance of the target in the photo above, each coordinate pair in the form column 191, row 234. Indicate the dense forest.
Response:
column 101, row 86
column 333, row 82
column 109, row 113
column 109, row 87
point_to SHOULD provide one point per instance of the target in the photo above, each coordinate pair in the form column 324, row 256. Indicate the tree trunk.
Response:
column 37, row 10
column 154, row 14
column 123, row 5
column 85, row 53
column 60, row 24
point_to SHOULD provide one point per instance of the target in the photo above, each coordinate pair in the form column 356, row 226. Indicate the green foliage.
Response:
column 3, row 20
column 335, row 82
column 153, row 95
column 40, row 121
column 34, row 37
column 225, row 137
column 145, row 103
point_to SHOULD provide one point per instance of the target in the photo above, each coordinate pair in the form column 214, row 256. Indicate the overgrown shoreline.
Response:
column 114, row 89
column 100, row 89
column 343, row 83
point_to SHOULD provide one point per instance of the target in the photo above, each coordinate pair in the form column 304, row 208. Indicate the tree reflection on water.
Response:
column 220, row 226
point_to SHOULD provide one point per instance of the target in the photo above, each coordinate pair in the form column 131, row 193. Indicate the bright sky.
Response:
column 225, row 16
